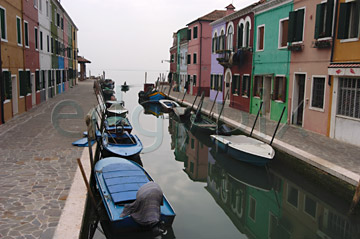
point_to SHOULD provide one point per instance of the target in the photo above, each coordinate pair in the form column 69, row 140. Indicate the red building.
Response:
column 173, row 60
column 30, row 78
column 199, row 52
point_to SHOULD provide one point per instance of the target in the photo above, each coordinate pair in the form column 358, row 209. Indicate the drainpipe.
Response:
column 2, row 90
column 333, row 37
column 200, row 54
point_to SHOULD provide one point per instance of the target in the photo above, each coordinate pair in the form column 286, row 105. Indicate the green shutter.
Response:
column 356, row 17
column 299, row 25
column 291, row 28
column 189, row 34
column 18, row 24
column 318, row 23
column 284, row 89
column 240, row 35
column 233, row 84
column 343, row 27
column 3, row 27
column 329, row 17
column 7, row 84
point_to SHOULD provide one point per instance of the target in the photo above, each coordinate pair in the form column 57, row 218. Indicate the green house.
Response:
column 271, row 59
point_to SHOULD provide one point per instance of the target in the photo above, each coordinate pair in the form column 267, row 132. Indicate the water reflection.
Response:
column 263, row 202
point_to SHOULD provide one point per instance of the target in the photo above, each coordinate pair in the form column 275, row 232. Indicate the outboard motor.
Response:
column 224, row 130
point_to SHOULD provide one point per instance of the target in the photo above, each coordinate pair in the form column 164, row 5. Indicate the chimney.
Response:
column 230, row 9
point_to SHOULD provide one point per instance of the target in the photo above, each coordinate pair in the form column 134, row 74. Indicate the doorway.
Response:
column 227, row 86
column 298, row 100
column 267, row 96
column 14, row 93
column 33, row 89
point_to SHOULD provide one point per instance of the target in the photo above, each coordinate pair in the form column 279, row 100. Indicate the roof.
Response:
column 83, row 60
column 212, row 16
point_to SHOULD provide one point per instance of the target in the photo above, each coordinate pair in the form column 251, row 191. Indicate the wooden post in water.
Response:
column 145, row 77
column 212, row 107
column 223, row 105
column 194, row 100
column 183, row 97
column 86, row 182
column 277, row 126
column 252, row 129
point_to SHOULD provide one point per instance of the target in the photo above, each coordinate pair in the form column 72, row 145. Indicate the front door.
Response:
column 33, row 89
column 191, row 85
column 227, row 88
column 14, row 93
column 267, row 96
column 298, row 104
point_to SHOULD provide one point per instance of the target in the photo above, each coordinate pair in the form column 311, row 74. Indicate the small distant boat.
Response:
column 124, row 87
column 117, row 109
column 245, row 148
column 125, row 145
column 117, row 125
column 118, row 181
column 107, row 83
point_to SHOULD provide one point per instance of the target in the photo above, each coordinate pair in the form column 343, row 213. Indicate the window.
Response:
column 279, row 88
column 214, row 43
column 25, row 85
column 189, row 34
column 229, row 38
column 58, row 19
column 194, row 58
column 7, row 85
column 3, row 23
column 240, row 36
column 292, row 196
column 47, row 8
column 35, row 3
column 18, row 31
column 349, row 20
column 194, row 80
column 220, row 82
column 37, row 80
column 258, row 86
column 310, row 206
column 48, row 43
column 52, row 45
column 245, row 89
column 36, row 39
column 188, row 59
column 260, row 38
column 222, row 41
column 195, row 33
column 252, row 209
column 296, row 25
column 212, row 81
column 26, row 33
column 41, row 40
column 283, row 33
column 247, row 34
column 235, row 84
column 172, row 58
column 324, row 19
column 62, row 23
column 349, row 97
column 318, row 92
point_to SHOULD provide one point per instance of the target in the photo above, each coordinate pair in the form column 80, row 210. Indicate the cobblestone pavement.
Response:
column 341, row 154
column 38, row 164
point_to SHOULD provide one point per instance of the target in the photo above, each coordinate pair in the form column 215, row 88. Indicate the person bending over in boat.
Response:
column 145, row 210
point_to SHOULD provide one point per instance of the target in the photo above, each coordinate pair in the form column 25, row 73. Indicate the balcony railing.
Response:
column 224, row 58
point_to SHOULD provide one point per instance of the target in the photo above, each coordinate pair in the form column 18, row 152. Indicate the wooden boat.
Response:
column 244, row 148
column 156, row 96
column 124, row 87
column 125, row 145
column 107, row 83
column 153, row 109
column 109, row 103
column 151, row 95
column 118, row 181
column 117, row 109
column 117, row 125
column 168, row 105
column 202, row 124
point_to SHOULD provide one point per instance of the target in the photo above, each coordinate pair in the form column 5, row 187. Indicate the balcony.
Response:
column 225, row 58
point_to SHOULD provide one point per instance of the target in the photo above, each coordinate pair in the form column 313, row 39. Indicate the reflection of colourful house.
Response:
column 271, row 64
column 12, row 57
column 308, row 86
column 345, row 71
column 199, row 52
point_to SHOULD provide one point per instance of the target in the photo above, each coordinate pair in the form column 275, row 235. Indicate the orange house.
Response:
column 344, row 123
column 12, row 56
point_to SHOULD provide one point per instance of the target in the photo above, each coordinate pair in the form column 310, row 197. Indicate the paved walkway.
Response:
column 38, row 164
column 337, row 158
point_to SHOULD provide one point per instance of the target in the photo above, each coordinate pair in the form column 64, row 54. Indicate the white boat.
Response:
column 168, row 105
column 117, row 109
column 182, row 113
column 244, row 148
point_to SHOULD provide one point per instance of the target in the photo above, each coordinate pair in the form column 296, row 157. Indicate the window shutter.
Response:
column 240, row 35
column 284, row 90
column 189, row 34
column 275, row 88
column 356, row 17
column 233, row 84
column 248, row 85
column 329, row 17
column 291, row 28
column 299, row 25
column 318, row 23
column 343, row 27
column 223, row 42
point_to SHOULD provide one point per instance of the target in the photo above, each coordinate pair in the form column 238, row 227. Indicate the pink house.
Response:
column 199, row 52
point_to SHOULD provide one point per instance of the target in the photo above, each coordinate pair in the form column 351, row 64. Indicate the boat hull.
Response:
column 204, row 126
column 125, row 150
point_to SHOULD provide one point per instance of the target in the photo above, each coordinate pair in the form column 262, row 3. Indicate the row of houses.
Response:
column 38, row 53
column 304, row 55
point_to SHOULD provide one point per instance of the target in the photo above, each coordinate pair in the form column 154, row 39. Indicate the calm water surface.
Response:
column 215, row 196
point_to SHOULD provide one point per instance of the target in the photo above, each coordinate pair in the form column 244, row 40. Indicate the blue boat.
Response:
column 118, row 181
column 117, row 125
column 151, row 95
column 125, row 145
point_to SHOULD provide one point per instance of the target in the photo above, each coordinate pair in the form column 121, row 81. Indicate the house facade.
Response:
column 344, row 70
column 181, row 66
column 309, row 90
column 173, row 60
column 271, row 64
column 199, row 53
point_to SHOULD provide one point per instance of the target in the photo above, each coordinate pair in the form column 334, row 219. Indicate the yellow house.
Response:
column 344, row 70
column 12, row 55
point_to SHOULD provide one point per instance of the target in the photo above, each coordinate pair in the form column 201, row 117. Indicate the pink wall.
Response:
column 66, row 39
column 312, row 62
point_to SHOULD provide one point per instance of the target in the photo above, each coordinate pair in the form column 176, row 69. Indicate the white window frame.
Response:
column 21, row 40
column 281, row 32
column 305, row 212
column 242, row 79
column 41, row 40
column 242, row 21
column 248, row 20
column 354, row 38
column 287, row 196
column 28, row 35
column 195, row 56
column 197, row 32
column 304, row 23
column 213, row 50
column 311, row 94
column 230, row 41
column 36, row 38
column 258, row 39
column 4, row 39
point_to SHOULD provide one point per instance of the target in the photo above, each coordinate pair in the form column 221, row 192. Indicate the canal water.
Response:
column 215, row 196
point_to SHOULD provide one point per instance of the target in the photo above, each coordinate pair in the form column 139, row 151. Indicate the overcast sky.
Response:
column 134, row 35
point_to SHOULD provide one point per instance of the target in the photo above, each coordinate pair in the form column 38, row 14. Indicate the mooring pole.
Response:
column 223, row 105
column 277, row 126
column 195, row 100
column 212, row 107
column 252, row 129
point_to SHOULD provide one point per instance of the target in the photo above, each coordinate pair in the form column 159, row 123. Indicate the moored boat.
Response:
column 202, row 123
column 118, row 181
column 117, row 125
